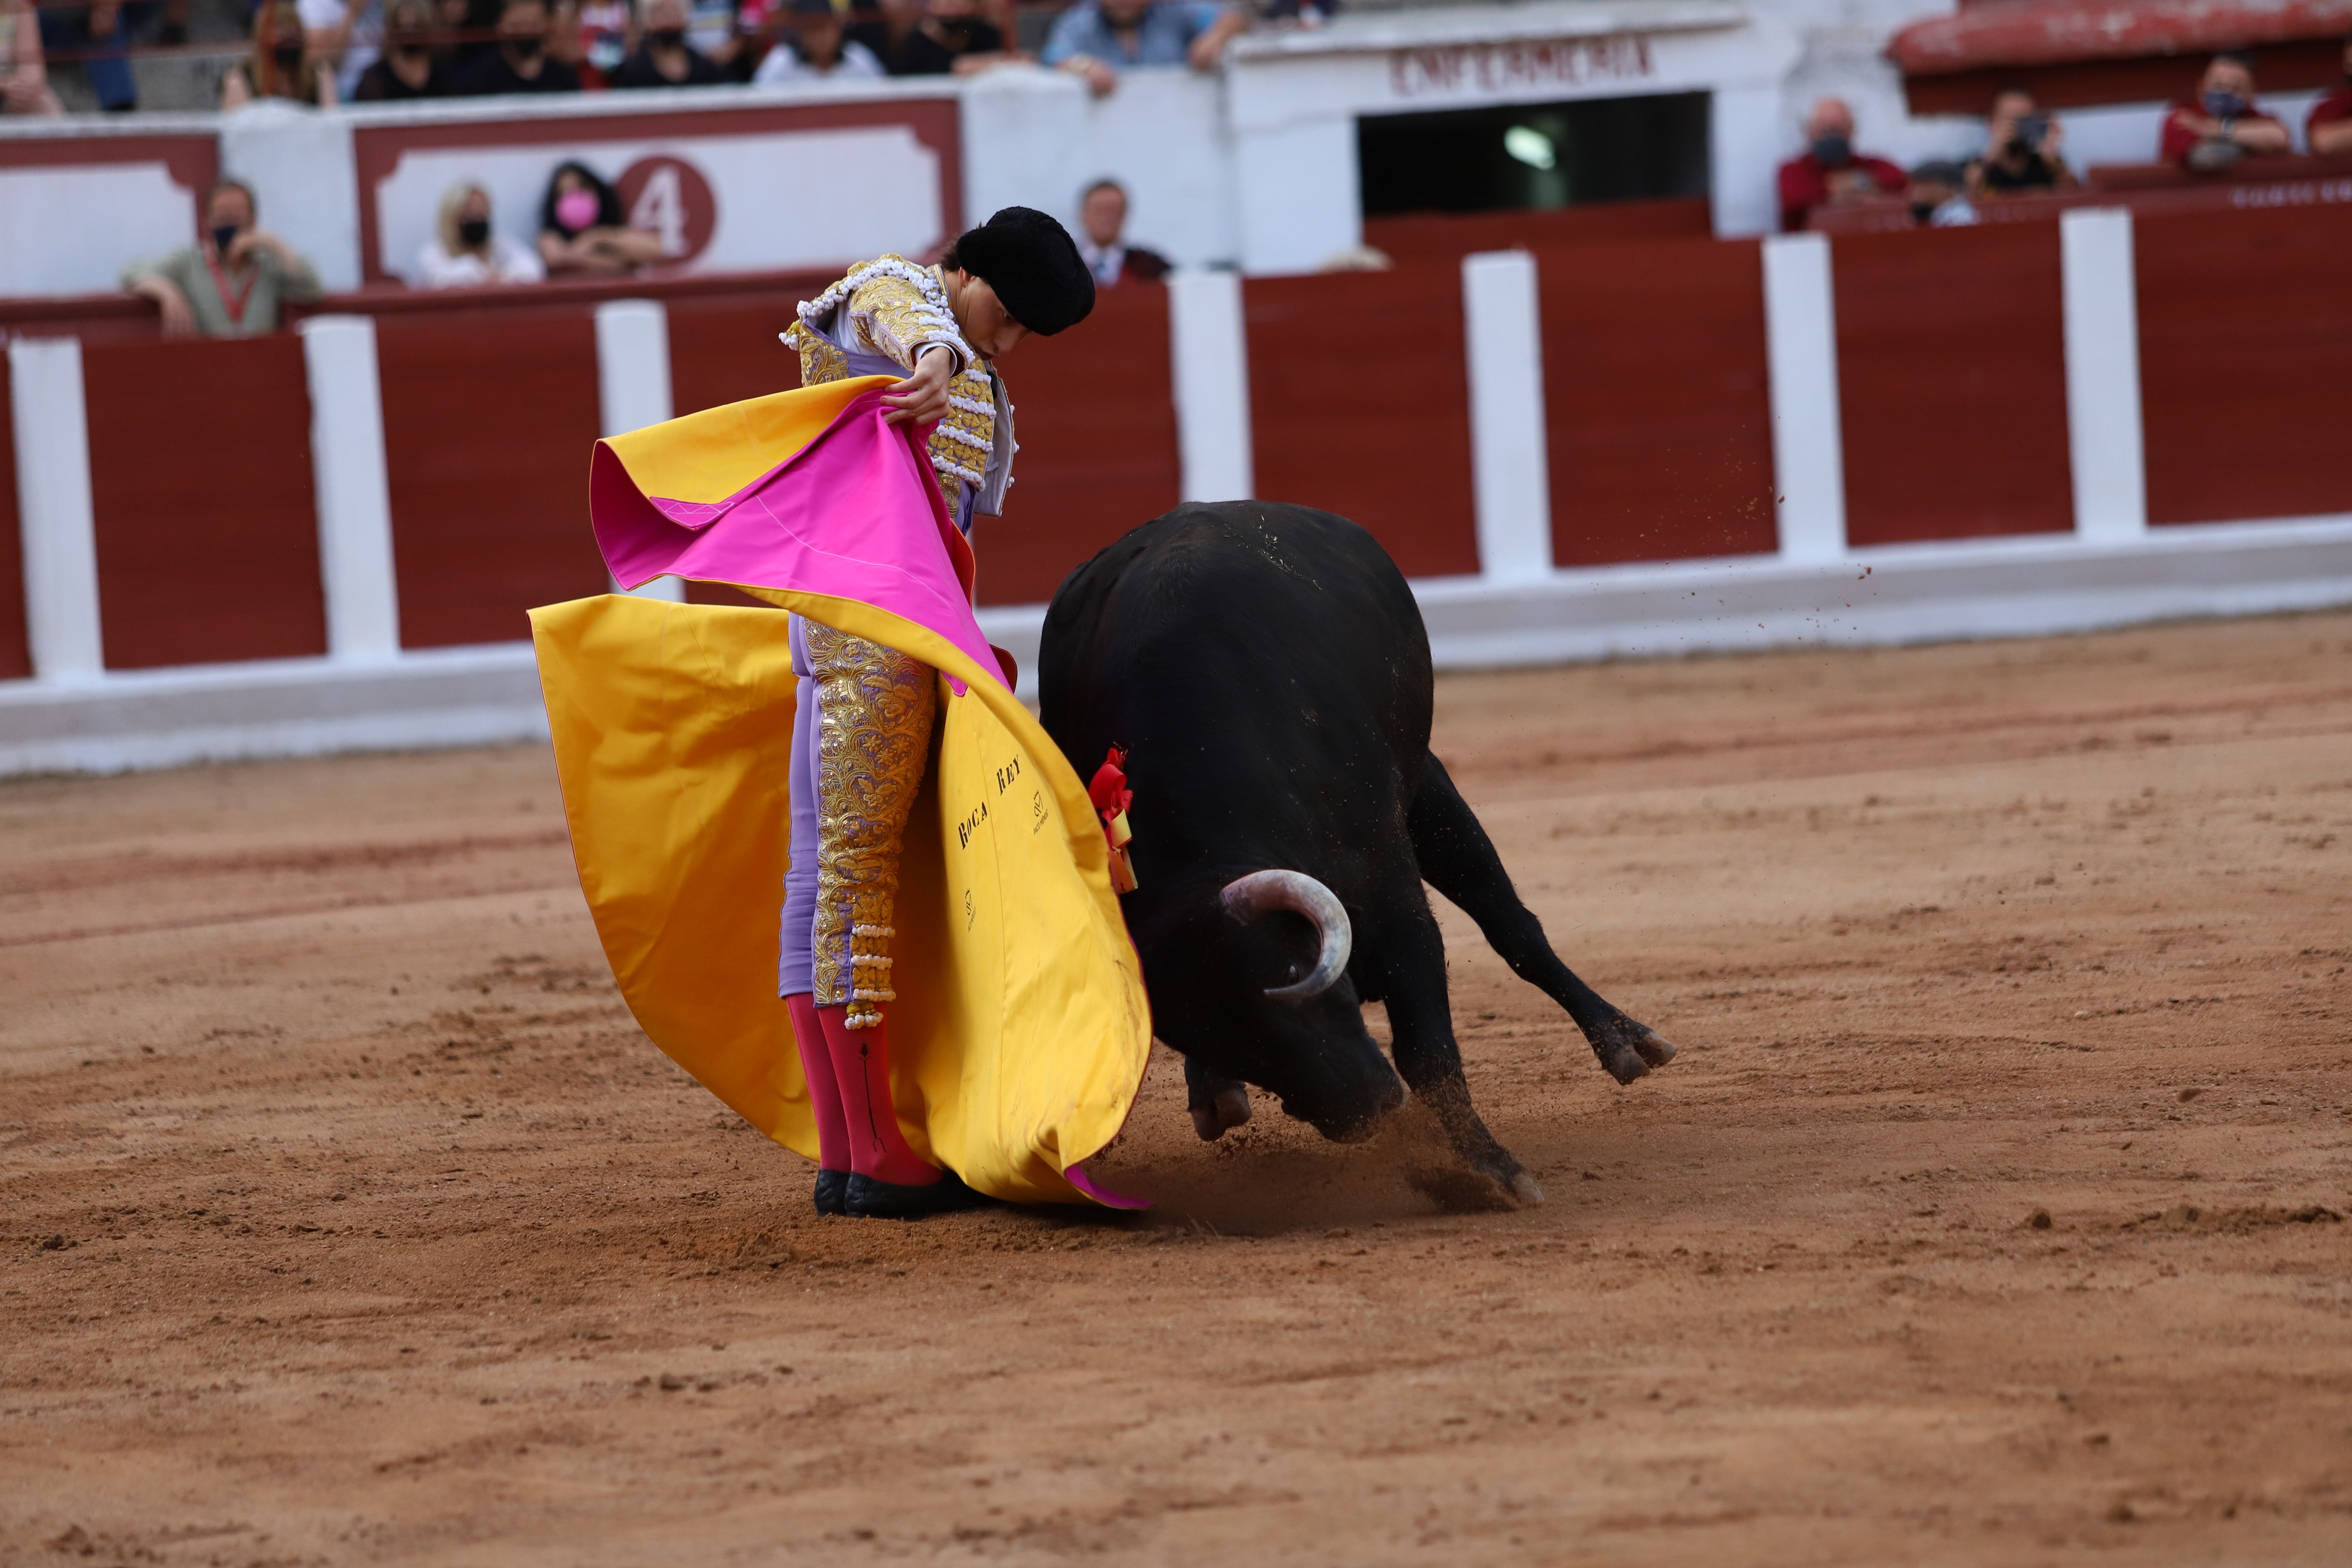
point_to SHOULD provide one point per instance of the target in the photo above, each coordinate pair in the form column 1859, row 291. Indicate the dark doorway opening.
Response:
column 1534, row 157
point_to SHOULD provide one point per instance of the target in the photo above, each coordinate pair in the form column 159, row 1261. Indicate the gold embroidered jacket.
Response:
column 892, row 308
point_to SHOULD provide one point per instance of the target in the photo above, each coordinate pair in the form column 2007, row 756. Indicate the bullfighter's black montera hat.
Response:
column 1032, row 264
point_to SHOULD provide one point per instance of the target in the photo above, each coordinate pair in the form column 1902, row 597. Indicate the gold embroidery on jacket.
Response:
column 874, row 712
column 896, row 309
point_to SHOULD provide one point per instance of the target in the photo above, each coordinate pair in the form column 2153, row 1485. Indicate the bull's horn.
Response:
column 1247, row 898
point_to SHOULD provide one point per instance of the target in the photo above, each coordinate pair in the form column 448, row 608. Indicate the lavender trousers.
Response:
column 796, row 957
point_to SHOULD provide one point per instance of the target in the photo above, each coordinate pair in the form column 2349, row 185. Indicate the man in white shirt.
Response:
column 1102, row 219
column 816, row 51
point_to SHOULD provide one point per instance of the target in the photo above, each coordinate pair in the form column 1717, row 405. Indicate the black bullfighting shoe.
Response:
column 831, row 1192
column 872, row 1198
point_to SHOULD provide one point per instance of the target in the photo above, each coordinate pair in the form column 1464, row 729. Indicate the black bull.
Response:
column 1266, row 669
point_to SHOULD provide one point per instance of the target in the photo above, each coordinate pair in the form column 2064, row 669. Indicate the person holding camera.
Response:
column 2021, row 156
column 234, row 281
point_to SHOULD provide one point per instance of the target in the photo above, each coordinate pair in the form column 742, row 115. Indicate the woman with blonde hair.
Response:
column 281, row 65
column 468, row 253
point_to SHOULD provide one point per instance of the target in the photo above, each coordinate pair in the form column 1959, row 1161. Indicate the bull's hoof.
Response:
column 1228, row 1109
column 1628, row 1050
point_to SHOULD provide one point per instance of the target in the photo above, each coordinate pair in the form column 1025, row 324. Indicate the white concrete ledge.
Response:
column 278, row 708
column 1889, row 595
column 1882, row 596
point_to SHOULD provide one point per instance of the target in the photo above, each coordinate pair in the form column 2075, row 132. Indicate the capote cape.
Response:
column 1020, row 1030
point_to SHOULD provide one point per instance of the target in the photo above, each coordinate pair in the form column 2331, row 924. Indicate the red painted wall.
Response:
column 1657, row 401
column 1449, row 236
column 726, row 349
column 1097, row 423
column 208, row 525
column 2245, row 364
column 488, row 420
column 1360, row 404
column 16, row 655
column 1952, row 384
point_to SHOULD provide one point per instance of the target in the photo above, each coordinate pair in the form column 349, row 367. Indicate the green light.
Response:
column 1530, row 147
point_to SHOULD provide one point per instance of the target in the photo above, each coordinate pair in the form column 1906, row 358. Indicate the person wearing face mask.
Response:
column 2329, row 129
column 1829, row 172
column 663, row 58
column 233, row 282
column 2221, row 125
column 468, row 253
column 407, row 68
column 939, row 37
column 521, row 63
column 281, row 64
column 581, row 233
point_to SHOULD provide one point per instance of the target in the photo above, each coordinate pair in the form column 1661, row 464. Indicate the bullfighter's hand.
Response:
column 923, row 397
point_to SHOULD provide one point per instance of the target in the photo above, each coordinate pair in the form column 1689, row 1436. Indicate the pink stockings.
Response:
column 848, row 1073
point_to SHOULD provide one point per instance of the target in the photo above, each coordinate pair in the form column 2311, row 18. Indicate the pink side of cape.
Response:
column 853, row 515
column 1077, row 1177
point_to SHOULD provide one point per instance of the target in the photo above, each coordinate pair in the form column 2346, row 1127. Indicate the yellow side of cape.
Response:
column 709, row 456
column 1020, row 1030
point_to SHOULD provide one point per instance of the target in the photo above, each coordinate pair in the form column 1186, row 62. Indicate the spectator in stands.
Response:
column 24, row 78
column 2329, row 129
column 1938, row 196
column 2020, row 151
column 98, row 33
column 608, row 37
column 2221, row 125
column 282, row 64
column 944, row 37
column 710, row 30
column 1099, row 39
column 1831, row 173
column 468, row 253
column 346, row 36
column 757, row 24
column 818, row 49
column 1102, row 217
column 521, row 63
column 581, row 233
column 406, row 68
column 663, row 58
column 466, row 33
column 233, row 282
column 886, row 37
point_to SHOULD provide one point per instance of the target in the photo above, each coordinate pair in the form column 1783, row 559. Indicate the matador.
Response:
column 862, row 727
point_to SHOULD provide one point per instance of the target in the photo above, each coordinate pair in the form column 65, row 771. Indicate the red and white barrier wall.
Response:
column 329, row 538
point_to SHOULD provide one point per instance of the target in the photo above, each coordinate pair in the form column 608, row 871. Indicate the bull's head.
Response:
column 1249, row 979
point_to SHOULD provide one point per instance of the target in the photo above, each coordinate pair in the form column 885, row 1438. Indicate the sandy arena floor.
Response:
column 1994, row 1212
